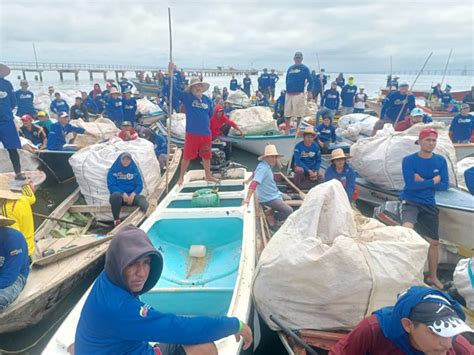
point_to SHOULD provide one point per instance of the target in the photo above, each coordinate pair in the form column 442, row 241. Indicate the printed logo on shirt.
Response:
column 200, row 104
column 307, row 154
column 332, row 96
column 400, row 102
column 25, row 96
column 436, row 171
column 15, row 252
column 464, row 120
column 3, row 94
column 2, row 260
column 294, row 71
column 144, row 310
column 122, row 176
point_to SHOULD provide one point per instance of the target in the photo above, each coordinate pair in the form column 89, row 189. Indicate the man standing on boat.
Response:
column 273, row 79
column 395, row 107
column 233, row 85
column 423, row 321
column 348, row 93
column 114, row 320
column 264, row 82
column 297, row 78
column 424, row 173
column 8, row 133
column 198, row 139
column 247, row 83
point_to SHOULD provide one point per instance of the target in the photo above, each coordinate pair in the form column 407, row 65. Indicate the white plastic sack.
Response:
column 379, row 158
column 91, row 165
column 239, row 98
column 42, row 100
column 464, row 281
column 178, row 125
column 327, row 268
column 145, row 106
column 462, row 166
column 254, row 120
column 100, row 130
column 355, row 125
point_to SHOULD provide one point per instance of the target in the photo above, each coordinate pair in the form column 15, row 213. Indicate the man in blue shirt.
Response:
column 261, row 100
column 8, row 132
column 446, row 97
column 395, row 107
column 14, row 262
column 233, row 83
column 265, row 185
column 329, row 103
column 58, row 105
column 89, row 105
column 273, row 79
column 348, row 93
column 264, row 82
column 424, row 173
column 298, row 77
column 307, row 160
column 114, row 107
column 318, row 81
column 125, row 85
column 115, row 321
column 247, row 82
column 24, row 100
column 461, row 129
column 327, row 133
column 279, row 108
column 58, row 132
column 129, row 107
column 78, row 110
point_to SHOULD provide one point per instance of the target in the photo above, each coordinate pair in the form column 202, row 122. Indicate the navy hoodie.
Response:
column 124, row 179
column 330, row 99
column 297, row 77
column 129, row 109
column 347, row 95
column 393, row 103
column 115, row 321
column 24, row 100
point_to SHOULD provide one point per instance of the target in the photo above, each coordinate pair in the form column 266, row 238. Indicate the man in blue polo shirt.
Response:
column 247, row 82
column 58, row 105
column 462, row 126
column 329, row 102
column 59, row 130
column 424, row 173
column 264, row 82
column 298, row 77
column 273, row 79
column 114, row 107
column 233, row 83
column 24, row 100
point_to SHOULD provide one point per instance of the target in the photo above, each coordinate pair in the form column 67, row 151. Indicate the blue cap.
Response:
column 404, row 84
column 417, row 112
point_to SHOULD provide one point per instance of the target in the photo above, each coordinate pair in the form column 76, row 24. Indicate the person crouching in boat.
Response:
column 127, row 132
column 35, row 134
column 461, row 129
column 265, row 185
column 307, row 160
column 416, row 116
column 115, row 321
column 221, row 124
column 15, row 265
column 58, row 132
column 422, row 321
column 424, row 173
column 125, row 184
column 161, row 149
column 342, row 171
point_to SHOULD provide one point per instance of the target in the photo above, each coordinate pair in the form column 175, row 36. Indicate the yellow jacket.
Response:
column 20, row 211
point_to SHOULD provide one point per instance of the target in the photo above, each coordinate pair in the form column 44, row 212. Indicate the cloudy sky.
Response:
column 348, row 35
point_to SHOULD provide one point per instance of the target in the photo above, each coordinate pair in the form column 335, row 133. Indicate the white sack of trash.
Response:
column 254, row 121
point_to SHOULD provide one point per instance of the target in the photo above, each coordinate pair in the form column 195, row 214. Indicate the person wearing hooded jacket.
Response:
column 125, row 184
column 423, row 321
column 218, row 122
column 115, row 321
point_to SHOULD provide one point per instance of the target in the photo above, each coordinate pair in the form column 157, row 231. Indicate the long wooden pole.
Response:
column 446, row 67
column 411, row 88
column 170, row 100
column 320, row 78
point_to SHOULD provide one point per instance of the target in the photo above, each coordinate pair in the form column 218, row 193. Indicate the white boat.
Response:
column 464, row 150
column 219, row 283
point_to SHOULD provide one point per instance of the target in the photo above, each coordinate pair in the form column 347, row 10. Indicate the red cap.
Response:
column 26, row 118
column 427, row 132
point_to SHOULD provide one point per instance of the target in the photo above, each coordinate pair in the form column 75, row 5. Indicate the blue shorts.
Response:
column 9, row 135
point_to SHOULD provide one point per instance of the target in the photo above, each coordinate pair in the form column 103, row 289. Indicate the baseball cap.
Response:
column 26, row 118
column 439, row 317
column 417, row 112
column 41, row 114
column 404, row 84
column 126, row 124
column 298, row 55
column 63, row 114
column 463, row 106
column 425, row 133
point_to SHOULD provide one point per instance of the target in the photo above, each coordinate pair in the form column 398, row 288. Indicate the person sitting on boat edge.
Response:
column 17, row 206
column 360, row 100
column 58, row 132
column 129, row 107
column 221, row 124
column 307, row 160
column 114, row 107
column 88, row 104
column 15, row 265
column 265, row 185
column 424, row 173
column 35, row 134
column 78, row 110
column 58, row 105
column 416, row 116
column 395, row 106
column 341, row 170
column 161, row 149
column 279, row 108
column 125, row 184
column 261, row 100
column 422, row 321
column 327, row 133
column 461, row 129
column 44, row 122
column 114, row 320
column 127, row 133
column 198, row 139
column 24, row 100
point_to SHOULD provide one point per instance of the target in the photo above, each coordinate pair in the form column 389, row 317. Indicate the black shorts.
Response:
column 425, row 218
column 171, row 349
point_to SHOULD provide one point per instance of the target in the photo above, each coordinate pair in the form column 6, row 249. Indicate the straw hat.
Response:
column 308, row 130
column 270, row 151
column 4, row 71
column 5, row 191
column 195, row 81
column 5, row 221
column 113, row 90
column 338, row 154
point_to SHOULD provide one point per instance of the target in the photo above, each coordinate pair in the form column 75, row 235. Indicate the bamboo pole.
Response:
column 446, row 67
column 170, row 100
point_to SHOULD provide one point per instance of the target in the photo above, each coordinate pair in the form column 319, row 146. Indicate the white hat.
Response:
column 270, row 151
column 195, row 81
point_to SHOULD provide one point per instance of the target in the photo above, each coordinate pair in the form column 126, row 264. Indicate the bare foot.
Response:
column 180, row 181
column 211, row 178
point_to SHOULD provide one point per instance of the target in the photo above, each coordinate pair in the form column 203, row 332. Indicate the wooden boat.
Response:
column 60, row 263
column 37, row 177
column 464, row 150
column 438, row 114
column 147, row 89
column 285, row 185
column 375, row 105
column 56, row 164
column 218, row 284
column 457, row 95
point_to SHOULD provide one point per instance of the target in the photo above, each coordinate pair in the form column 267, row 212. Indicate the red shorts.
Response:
column 195, row 144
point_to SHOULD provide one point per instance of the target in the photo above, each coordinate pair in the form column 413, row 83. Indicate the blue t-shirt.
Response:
column 58, row 106
column 347, row 95
column 273, row 79
column 14, row 259
column 308, row 158
column 233, row 84
column 161, row 146
column 114, row 108
column 264, row 81
column 393, row 103
column 57, row 135
column 347, row 178
column 446, row 98
column 7, row 100
column 267, row 189
column 129, row 109
column 247, row 82
column 423, row 192
column 330, row 99
column 124, row 86
column 198, row 112
column 297, row 77
column 24, row 101
column 462, row 127
column 327, row 134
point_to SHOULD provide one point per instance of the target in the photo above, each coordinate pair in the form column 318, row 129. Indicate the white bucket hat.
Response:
column 195, row 81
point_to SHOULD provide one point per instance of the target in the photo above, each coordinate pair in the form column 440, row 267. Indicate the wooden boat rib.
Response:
column 464, row 150
column 48, row 285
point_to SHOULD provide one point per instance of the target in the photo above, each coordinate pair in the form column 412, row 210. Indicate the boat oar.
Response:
column 95, row 223
column 293, row 336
